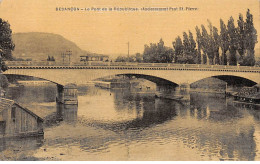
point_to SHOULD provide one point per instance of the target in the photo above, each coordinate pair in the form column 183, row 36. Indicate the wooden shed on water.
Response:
column 17, row 121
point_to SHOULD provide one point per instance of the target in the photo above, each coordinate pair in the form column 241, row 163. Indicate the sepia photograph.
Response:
column 129, row 80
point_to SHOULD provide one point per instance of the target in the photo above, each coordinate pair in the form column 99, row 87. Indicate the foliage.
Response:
column 215, row 46
column 157, row 53
column 199, row 40
column 250, row 35
column 205, row 44
column 189, row 49
column 121, row 59
column 178, row 50
column 232, row 45
column 133, row 58
column 3, row 81
column 257, row 63
column 241, row 36
column 6, row 43
column 138, row 57
column 233, row 41
column 223, row 41
column 228, row 45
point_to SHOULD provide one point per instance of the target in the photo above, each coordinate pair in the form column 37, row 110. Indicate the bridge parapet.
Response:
column 252, row 70
column 124, row 65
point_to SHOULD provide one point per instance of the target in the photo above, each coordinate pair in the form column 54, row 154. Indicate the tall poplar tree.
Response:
column 233, row 40
column 224, row 41
column 241, row 37
column 250, row 40
column 199, row 40
column 178, row 49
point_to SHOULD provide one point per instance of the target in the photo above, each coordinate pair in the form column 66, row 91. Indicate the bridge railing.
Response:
column 125, row 64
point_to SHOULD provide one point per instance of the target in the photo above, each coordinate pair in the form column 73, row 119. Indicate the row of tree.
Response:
column 231, row 46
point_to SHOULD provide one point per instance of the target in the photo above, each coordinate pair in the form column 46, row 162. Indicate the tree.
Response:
column 178, row 49
column 199, row 43
column 6, row 43
column 205, row 44
column 131, row 58
column 193, row 50
column 157, row 53
column 223, row 41
column 186, row 45
column 138, row 57
column 241, row 37
column 250, row 40
column 189, row 49
column 3, row 81
column 233, row 41
column 212, row 44
column 121, row 59
column 215, row 45
column 149, row 55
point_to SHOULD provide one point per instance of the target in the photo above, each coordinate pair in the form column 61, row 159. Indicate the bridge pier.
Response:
column 172, row 92
column 67, row 94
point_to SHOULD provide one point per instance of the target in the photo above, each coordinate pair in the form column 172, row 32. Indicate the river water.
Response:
column 122, row 124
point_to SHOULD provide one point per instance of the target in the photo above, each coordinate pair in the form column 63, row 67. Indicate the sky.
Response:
column 108, row 32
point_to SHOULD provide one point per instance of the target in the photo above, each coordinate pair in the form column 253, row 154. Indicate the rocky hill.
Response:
column 38, row 46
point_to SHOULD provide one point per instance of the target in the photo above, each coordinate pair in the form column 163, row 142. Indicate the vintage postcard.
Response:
column 129, row 80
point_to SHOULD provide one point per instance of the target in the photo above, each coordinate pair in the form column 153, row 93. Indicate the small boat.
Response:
column 168, row 97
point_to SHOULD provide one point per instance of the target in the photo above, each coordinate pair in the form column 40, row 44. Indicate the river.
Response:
column 121, row 124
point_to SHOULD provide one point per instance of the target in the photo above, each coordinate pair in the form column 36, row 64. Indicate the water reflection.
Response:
column 150, row 111
column 126, row 125
column 35, row 94
column 67, row 113
column 15, row 148
column 213, row 106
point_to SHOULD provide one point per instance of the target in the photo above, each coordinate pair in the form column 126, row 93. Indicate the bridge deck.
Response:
column 120, row 65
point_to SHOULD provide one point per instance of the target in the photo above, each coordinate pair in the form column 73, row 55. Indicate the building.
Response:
column 94, row 57
column 16, row 121
column 249, row 94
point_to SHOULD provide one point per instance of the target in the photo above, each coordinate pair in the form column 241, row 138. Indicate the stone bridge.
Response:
column 160, row 74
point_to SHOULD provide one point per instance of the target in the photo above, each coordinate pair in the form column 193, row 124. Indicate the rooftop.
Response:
column 7, row 103
column 94, row 55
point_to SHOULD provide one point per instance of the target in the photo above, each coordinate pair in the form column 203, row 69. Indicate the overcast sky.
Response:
column 108, row 32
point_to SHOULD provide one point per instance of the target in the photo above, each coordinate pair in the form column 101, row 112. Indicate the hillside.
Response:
column 38, row 46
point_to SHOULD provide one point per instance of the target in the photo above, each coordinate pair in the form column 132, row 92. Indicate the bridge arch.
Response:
column 232, row 80
column 157, row 80
column 9, row 75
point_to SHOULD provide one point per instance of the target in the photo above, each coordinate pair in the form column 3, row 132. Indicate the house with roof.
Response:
column 17, row 121
column 94, row 57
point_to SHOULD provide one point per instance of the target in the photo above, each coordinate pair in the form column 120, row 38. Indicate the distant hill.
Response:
column 37, row 46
